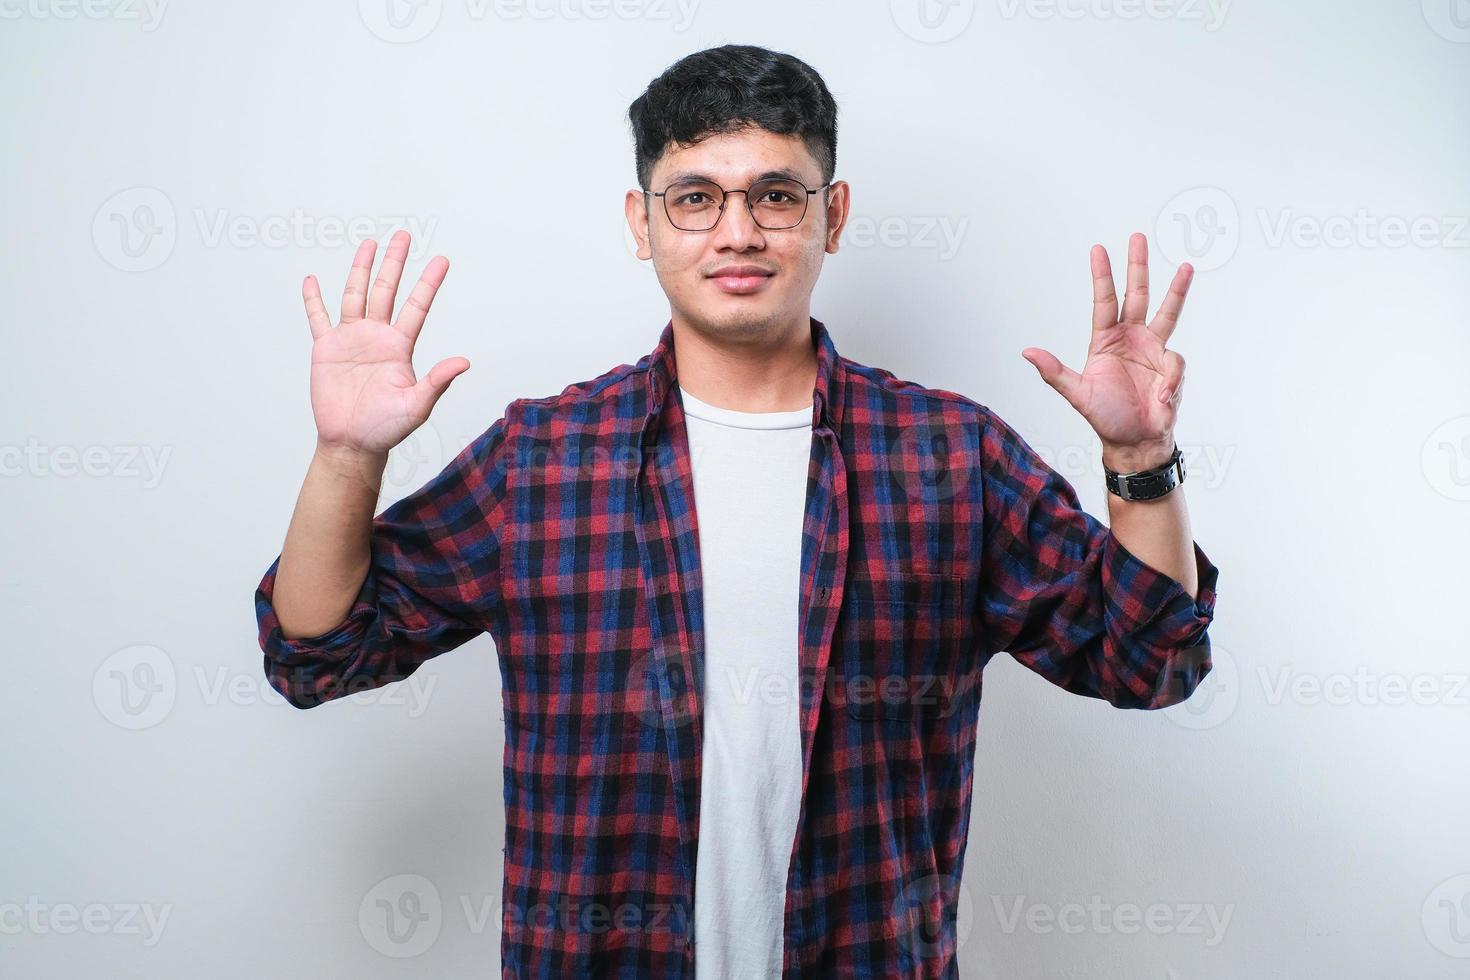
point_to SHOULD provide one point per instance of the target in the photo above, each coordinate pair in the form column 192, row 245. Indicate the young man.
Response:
column 739, row 735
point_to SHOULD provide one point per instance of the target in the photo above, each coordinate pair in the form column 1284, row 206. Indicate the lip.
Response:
column 741, row 279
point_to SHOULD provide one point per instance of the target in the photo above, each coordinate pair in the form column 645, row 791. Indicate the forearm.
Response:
column 327, row 551
column 1155, row 531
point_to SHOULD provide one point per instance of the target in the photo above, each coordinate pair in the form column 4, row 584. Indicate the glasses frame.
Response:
column 725, row 199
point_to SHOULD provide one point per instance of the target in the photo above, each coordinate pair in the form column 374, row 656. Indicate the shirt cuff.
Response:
column 335, row 644
column 1141, row 598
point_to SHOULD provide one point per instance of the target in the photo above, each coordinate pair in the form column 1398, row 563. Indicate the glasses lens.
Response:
column 693, row 205
column 778, row 203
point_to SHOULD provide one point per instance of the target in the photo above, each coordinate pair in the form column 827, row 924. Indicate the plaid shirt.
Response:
column 934, row 537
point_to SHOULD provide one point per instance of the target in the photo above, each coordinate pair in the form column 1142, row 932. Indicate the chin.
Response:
column 729, row 323
column 750, row 320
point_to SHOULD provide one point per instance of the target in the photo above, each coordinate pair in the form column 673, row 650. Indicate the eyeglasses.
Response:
column 774, row 204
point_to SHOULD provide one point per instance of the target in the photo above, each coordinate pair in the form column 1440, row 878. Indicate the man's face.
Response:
column 786, row 262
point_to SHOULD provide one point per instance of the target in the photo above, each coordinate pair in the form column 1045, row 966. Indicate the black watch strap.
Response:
column 1147, row 484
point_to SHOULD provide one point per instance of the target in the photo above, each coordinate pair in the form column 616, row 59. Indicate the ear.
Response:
column 838, row 206
column 635, row 207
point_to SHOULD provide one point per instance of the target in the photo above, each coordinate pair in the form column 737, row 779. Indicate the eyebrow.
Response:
column 784, row 172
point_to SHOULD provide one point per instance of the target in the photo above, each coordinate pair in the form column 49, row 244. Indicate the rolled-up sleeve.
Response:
column 433, row 584
column 1061, row 594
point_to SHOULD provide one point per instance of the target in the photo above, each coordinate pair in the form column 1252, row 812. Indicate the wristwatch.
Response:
column 1147, row 484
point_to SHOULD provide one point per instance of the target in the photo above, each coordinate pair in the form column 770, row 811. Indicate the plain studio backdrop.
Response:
column 173, row 171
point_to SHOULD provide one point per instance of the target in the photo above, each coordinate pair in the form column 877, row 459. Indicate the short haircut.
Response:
column 726, row 89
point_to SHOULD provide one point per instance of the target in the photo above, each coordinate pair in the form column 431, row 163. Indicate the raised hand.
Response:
column 364, row 394
column 1129, row 389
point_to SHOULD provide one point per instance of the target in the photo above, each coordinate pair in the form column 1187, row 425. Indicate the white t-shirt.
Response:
column 750, row 475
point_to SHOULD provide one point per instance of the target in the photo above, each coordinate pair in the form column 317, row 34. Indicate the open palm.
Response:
column 364, row 394
column 1129, row 389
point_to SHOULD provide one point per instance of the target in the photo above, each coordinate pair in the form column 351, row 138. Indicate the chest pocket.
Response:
column 893, row 659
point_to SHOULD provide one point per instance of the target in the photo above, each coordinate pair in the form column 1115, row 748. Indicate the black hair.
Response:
column 725, row 89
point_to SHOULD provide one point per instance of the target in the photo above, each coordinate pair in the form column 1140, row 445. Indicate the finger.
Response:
column 1167, row 318
column 1068, row 383
column 354, row 295
column 316, row 310
column 385, row 287
column 1104, row 295
column 421, row 297
column 426, row 393
column 1135, row 300
column 1173, row 377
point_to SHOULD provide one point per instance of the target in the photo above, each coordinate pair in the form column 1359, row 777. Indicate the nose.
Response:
column 736, row 227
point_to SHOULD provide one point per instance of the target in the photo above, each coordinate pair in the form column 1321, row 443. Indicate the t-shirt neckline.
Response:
column 794, row 419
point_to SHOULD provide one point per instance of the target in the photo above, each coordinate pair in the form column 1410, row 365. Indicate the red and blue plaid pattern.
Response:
column 934, row 538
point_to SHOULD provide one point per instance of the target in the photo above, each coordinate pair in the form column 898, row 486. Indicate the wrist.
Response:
column 351, row 460
column 1141, row 456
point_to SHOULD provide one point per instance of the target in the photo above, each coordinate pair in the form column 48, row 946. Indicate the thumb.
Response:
column 1173, row 377
column 432, row 385
column 1055, row 373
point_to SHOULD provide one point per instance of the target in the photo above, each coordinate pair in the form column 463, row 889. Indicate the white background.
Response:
column 1310, row 158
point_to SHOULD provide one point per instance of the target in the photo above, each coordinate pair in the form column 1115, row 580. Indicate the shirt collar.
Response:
column 826, row 396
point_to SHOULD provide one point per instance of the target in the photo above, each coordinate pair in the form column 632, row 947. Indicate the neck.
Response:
column 776, row 372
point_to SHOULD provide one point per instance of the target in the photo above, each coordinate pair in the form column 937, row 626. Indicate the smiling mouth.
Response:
column 746, row 279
